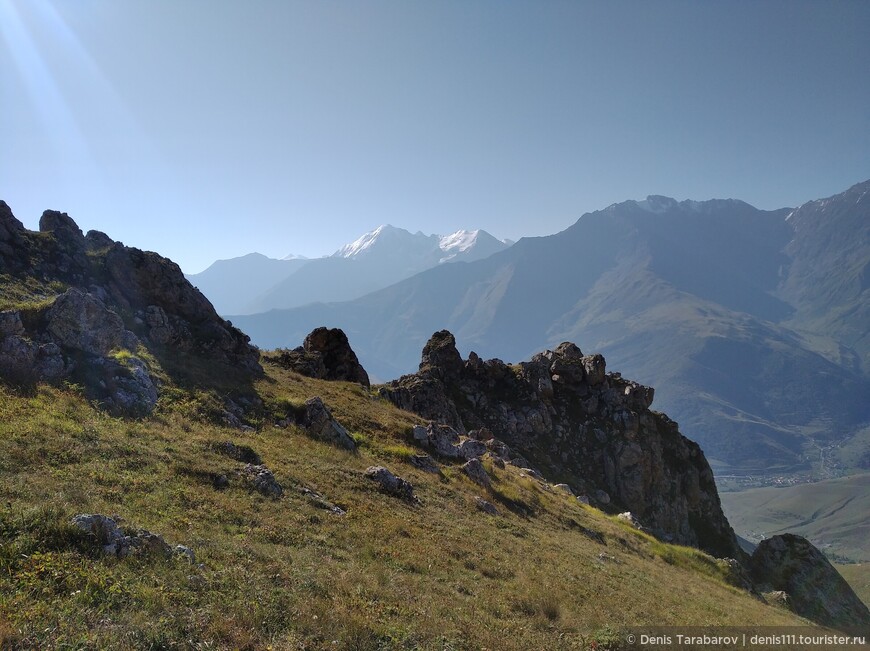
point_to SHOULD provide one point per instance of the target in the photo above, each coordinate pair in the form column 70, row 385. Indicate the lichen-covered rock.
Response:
column 106, row 533
column 80, row 321
column 792, row 564
column 261, row 479
column 319, row 423
column 390, row 483
column 565, row 415
column 476, row 472
column 108, row 298
column 125, row 387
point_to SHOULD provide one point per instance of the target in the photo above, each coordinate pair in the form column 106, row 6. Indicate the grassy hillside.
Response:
column 832, row 514
column 858, row 576
column 547, row 572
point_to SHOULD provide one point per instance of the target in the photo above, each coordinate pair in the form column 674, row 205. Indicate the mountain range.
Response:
column 255, row 283
column 752, row 324
column 291, row 504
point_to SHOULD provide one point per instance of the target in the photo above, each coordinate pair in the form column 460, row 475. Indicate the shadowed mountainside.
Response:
column 700, row 299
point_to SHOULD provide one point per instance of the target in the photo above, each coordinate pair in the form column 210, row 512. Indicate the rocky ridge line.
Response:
column 105, row 303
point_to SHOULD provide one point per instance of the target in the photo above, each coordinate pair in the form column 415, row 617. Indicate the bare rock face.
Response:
column 326, row 355
column 339, row 360
column 108, row 299
column 578, row 425
column 815, row 590
column 80, row 321
column 143, row 281
column 10, row 228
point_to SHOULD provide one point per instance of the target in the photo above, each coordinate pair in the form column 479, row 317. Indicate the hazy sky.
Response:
column 208, row 129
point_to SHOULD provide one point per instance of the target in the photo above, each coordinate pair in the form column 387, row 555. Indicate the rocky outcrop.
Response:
column 96, row 302
column 339, row 360
column 113, row 541
column 80, row 321
column 579, row 425
column 814, row 589
column 326, row 355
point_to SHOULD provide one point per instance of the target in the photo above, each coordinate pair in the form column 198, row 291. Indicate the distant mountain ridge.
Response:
column 377, row 259
column 720, row 306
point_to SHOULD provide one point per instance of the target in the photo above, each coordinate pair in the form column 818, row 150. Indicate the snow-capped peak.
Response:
column 398, row 243
column 362, row 243
column 459, row 241
column 657, row 204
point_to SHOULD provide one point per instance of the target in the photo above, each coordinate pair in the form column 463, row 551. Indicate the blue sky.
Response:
column 209, row 129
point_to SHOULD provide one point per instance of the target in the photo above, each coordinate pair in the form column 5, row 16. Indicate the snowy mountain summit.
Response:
column 386, row 240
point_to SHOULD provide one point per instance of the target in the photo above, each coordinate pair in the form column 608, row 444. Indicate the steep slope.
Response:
column 288, row 571
column 230, row 284
column 828, row 280
column 686, row 296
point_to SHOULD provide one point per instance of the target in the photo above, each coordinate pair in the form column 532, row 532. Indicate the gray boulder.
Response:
column 476, row 472
column 390, row 483
column 126, row 387
column 319, row 423
column 425, row 463
column 114, row 542
column 486, row 507
column 471, row 449
column 261, row 479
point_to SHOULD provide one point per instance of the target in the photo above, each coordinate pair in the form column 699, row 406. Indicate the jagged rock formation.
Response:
column 813, row 588
column 325, row 354
column 581, row 426
column 99, row 304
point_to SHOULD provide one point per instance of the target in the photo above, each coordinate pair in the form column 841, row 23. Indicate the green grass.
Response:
column 27, row 293
column 284, row 573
